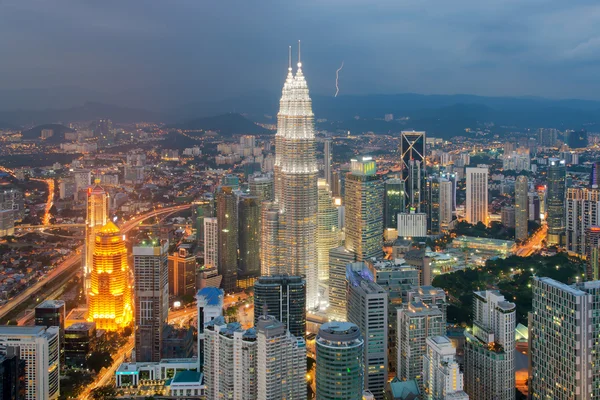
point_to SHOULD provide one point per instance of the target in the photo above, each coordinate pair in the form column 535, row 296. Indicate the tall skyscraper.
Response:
column 555, row 203
column 364, row 209
column 249, row 237
column 563, row 334
column 412, row 153
column 432, row 205
column 109, row 298
column 182, row 267
column 595, row 174
column 582, row 210
column 476, row 206
column 327, row 161
column 209, row 301
column 340, row 362
column 592, row 253
column 490, row 348
column 296, row 175
column 521, row 208
column 328, row 233
column 52, row 313
column 261, row 186
column 338, row 259
column 39, row 347
column 271, row 237
column 285, row 299
column 280, row 362
column 368, row 309
column 211, row 242
column 96, row 218
column 12, row 374
column 150, row 272
column 416, row 322
column 442, row 379
column 446, row 199
column 227, row 220
column 394, row 202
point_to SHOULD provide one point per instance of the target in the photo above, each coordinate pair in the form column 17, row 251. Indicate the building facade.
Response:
column 412, row 159
column 521, row 207
column 209, row 302
column 555, row 201
column 182, row 267
column 249, row 237
column 338, row 259
column 227, row 221
column 582, row 210
column 211, row 242
column 96, row 218
column 442, row 378
column 394, row 202
column 476, row 206
column 328, row 233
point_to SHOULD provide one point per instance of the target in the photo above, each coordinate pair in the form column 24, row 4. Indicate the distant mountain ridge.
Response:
column 225, row 125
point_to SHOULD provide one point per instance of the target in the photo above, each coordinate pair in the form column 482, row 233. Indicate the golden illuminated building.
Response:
column 110, row 305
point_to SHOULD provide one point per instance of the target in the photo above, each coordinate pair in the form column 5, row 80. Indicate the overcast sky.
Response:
column 227, row 47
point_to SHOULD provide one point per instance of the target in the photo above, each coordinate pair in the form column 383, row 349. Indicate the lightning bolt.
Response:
column 337, row 78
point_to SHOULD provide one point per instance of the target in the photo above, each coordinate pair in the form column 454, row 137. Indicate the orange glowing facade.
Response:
column 109, row 297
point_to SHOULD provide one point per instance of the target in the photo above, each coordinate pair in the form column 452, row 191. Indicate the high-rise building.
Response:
column 582, row 210
column 428, row 295
column 476, row 206
column 182, row 270
column 446, row 199
column 229, row 361
column 280, row 362
column 507, row 216
column 109, row 298
column 364, row 209
column 490, row 348
column 563, row 333
column 547, row 137
column 249, row 237
column 412, row 153
column 416, row 322
column 151, row 274
column 39, row 348
column 271, row 262
column 442, row 379
column 261, row 186
column 595, row 174
column 227, row 220
column 96, row 218
column 327, row 161
column 80, row 341
column 412, row 225
column 521, row 214
column 338, row 259
column 367, row 307
column 209, row 301
column 555, row 203
column 592, row 253
column 394, row 201
column 52, row 313
column 12, row 375
column 432, row 204
column 340, row 362
column 284, row 297
column 211, row 242
column 328, row 233
column 296, row 174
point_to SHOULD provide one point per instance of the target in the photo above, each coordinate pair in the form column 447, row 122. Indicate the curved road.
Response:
column 75, row 258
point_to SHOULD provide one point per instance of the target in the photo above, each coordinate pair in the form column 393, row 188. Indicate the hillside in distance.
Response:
column 224, row 124
column 58, row 136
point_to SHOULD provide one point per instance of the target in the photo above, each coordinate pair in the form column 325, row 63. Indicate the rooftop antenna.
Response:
column 299, row 59
column 290, row 58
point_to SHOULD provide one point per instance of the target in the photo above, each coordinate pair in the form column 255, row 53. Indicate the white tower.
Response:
column 476, row 207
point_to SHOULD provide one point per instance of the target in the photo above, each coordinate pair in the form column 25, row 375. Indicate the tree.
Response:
column 104, row 393
column 98, row 360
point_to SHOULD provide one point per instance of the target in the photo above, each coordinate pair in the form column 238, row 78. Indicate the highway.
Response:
column 533, row 243
column 76, row 258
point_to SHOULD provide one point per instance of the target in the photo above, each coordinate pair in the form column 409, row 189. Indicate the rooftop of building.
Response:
column 339, row 331
column 572, row 290
column 51, row 304
column 109, row 229
column 187, row 377
column 440, row 340
column 21, row 330
column 82, row 327
column 404, row 390
column 279, row 279
column 212, row 295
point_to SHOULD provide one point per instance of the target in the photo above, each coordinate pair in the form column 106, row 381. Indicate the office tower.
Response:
column 270, row 239
column 296, row 175
column 12, row 375
column 442, row 379
column 249, row 237
column 518, row 160
column 416, row 322
column 592, row 253
column 151, row 274
column 340, row 362
column 367, row 304
column 327, row 161
column 476, row 206
column 211, row 242
column 204, row 209
column 412, row 162
column 284, row 297
column 336, row 184
column 40, row 349
column 412, row 225
column 96, row 218
column 182, row 270
column 52, row 313
column 445, row 204
column 432, row 204
column 582, row 209
column 364, row 209
column 555, row 203
column 547, row 137
column 229, row 361
column 83, row 180
column 261, row 186
column 576, row 139
column 521, row 214
column 227, row 220
column 508, row 216
column 80, row 340
column 533, row 207
column 595, row 174
column 328, row 234
column 109, row 298
column 338, row 259
column 394, row 202
column 490, row 348
column 563, row 336
column 209, row 302
column 428, row 295
column 281, row 362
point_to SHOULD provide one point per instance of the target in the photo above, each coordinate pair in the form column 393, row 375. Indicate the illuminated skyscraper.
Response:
column 109, row 302
column 270, row 239
column 328, row 234
column 261, row 186
column 296, row 182
column 432, row 208
column 446, row 199
column 394, row 201
column 555, row 203
column 412, row 153
column 249, row 237
column 96, row 217
column 521, row 208
column 227, row 221
column 364, row 209
column 476, row 206
column 211, row 242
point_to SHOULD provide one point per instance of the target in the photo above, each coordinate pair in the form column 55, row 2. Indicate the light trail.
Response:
column 337, row 78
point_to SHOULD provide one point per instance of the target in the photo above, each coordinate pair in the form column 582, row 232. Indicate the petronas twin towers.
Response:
column 289, row 238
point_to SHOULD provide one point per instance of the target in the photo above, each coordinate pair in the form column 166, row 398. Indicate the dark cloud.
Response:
column 183, row 50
